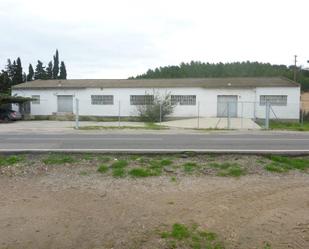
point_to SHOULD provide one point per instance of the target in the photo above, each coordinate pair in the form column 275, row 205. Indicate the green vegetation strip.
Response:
column 11, row 160
column 281, row 164
column 291, row 126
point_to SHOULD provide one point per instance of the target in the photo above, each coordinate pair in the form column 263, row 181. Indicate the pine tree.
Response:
column 63, row 71
column 18, row 72
column 56, row 65
column 30, row 73
column 40, row 73
column 49, row 71
column 5, row 82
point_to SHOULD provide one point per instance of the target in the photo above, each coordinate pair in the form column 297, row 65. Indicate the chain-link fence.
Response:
column 225, row 113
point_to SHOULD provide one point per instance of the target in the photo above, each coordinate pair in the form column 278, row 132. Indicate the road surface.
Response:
column 107, row 142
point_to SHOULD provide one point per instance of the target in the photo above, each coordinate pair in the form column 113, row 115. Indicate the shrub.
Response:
column 150, row 112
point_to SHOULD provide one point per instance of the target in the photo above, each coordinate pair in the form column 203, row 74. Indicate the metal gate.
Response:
column 65, row 103
column 227, row 105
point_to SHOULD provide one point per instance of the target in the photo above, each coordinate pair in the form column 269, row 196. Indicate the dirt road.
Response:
column 64, row 210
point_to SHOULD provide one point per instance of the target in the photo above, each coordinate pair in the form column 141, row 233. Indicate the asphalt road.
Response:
column 214, row 142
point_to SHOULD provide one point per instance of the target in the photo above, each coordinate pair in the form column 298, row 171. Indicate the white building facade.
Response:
column 200, row 97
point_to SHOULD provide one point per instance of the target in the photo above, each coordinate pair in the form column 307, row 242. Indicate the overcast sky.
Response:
column 122, row 38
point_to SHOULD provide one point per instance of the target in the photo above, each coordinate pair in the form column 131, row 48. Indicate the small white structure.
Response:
column 206, row 97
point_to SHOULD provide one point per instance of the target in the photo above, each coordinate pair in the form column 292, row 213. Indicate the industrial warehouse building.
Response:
column 206, row 97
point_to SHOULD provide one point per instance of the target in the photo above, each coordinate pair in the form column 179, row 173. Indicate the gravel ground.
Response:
column 61, row 206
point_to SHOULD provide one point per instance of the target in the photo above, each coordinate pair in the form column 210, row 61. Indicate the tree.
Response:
column 5, row 82
column 56, row 65
column 40, row 73
column 18, row 72
column 49, row 70
column 63, row 71
column 30, row 73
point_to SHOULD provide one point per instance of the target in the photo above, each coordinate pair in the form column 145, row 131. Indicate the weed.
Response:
column 165, row 162
column 83, row 173
column 120, row 164
column 283, row 164
column 134, row 157
column 234, row 171
column 180, row 231
column 119, row 172
column 267, row 245
column 87, row 156
column 104, row 159
column 189, row 167
column 275, row 167
column 58, row 159
column 182, row 236
column 103, row 168
column 11, row 160
column 140, row 172
column 173, row 179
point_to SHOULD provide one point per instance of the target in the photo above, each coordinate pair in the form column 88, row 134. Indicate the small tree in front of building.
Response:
column 157, row 109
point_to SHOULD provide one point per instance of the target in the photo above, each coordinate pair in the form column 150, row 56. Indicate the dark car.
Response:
column 7, row 115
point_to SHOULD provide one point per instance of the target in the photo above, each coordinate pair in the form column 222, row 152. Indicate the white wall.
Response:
column 248, row 101
column 290, row 111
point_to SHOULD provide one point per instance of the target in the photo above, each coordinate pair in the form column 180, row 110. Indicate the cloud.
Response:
column 117, row 39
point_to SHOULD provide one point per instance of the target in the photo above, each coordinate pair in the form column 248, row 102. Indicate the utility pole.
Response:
column 295, row 68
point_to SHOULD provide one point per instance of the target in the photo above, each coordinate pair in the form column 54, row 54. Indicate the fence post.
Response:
column 228, row 116
column 198, row 114
column 267, row 112
column 76, row 113
column 119, row 113
column 302, row 117
column 242, row 115
column 160, row 114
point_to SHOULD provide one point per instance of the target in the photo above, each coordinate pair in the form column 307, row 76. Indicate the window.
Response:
column 274, row 100
column 183, row 99
column 102, row 99
column 36, row 100
column 141, row 99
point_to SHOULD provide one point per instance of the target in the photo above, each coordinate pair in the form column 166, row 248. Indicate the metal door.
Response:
column 227, row 105
column 65, row 103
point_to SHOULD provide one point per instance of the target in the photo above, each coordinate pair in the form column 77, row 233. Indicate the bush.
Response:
column 151, row 111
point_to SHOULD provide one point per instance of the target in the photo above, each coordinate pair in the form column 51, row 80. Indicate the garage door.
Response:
column 65, row 103
column 227, row 104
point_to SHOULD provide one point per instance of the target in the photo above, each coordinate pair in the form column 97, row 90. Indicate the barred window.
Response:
column 274, row 100
column 183, row 99
column 36, row 100
column 141, row 99
column 102, row 99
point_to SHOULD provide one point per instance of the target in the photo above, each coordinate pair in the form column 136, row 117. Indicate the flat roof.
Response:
column 239, row 82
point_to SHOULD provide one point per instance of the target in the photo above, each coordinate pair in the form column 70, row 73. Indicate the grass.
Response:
column 189, row 167
column 119, row 172
column 140, row 172
column 11, row 160
column 229, row 169
column 58, row 159
column 182, row 236
column 105, row 159
column 234, row 171
column 102, row 168
column 291, row 126
column 120, row 164
column 166, row 162
column 281, row 164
